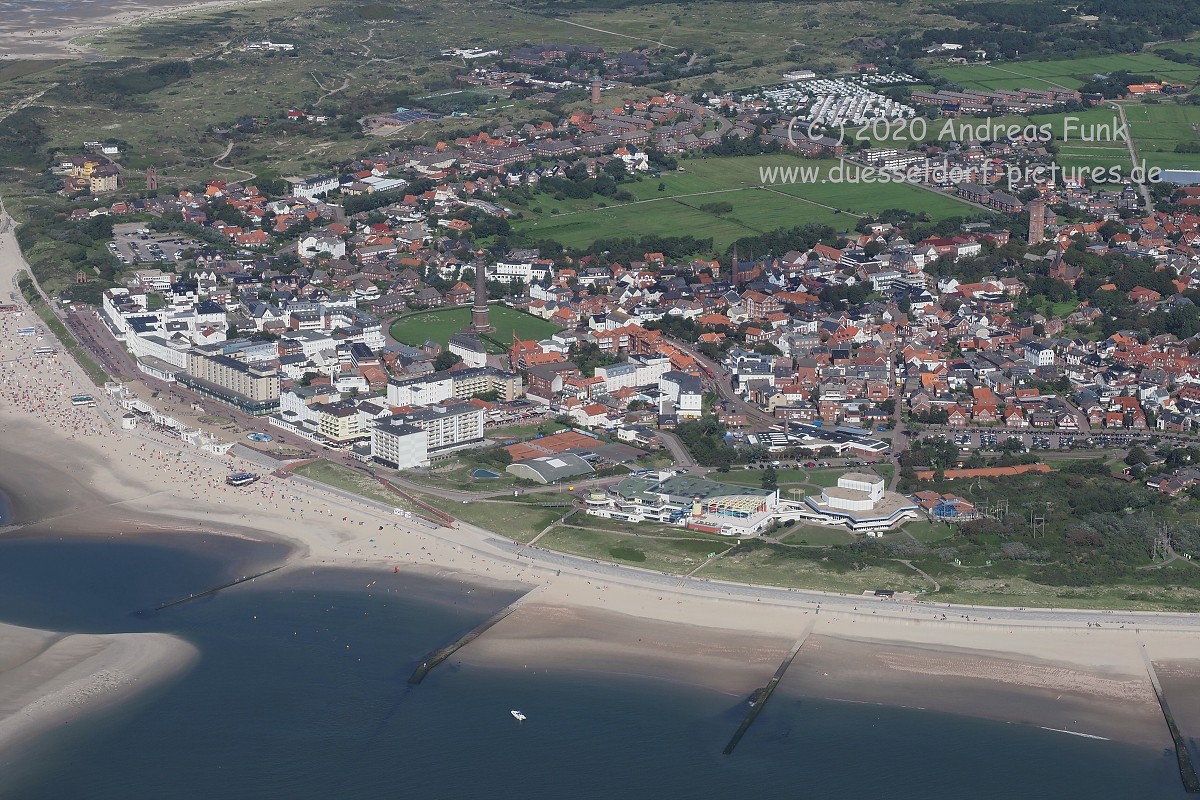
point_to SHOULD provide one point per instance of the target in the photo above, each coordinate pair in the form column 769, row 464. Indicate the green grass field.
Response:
column 927, row 531
column 353, row 481
column 760, row 204
column 440, row 324
column 1192, row 47
column 779, row 565
column 1157, row 128
column 679, row 556
column 1069, row 73
column 515, row 520
column 815, row 535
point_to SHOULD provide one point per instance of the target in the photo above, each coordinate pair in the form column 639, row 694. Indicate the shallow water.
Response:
column 301, row 692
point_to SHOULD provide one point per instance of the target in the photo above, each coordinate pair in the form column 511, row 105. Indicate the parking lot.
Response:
column 1045, row 440
column 134, row 244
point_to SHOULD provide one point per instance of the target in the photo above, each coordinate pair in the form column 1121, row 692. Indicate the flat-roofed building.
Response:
column 253, row 388
column 860, row 501
column 340, row 421
column 399, row 444
column 459, row 384
column 451, row 426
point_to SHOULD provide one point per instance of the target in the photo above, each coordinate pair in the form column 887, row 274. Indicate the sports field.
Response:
column 1069, row 74
column 438, row 325
column 761, row 202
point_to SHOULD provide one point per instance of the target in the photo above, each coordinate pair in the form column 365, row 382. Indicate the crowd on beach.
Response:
column 42, row 386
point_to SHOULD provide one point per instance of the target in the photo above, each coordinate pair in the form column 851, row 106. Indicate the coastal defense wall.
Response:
column 439, row 516
column 437, row 657
column 1187, row 769
column 357, row 498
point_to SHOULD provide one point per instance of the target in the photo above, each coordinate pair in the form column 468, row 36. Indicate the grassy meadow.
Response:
column 440, row 324
column 1065, row 74
column 757, row 207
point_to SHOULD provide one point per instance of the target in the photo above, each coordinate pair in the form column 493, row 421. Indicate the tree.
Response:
column 445, row 360
column 1137, row 456
column 770, row 478
column 615, row 168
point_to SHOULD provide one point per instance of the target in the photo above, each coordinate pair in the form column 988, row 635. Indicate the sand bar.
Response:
column 47, row 679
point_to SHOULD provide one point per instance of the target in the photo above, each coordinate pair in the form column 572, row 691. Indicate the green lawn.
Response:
column 779, row 565
column 1155, row 127
column 812, row 480
column 927, row 531
column 457, row 475
column 519, row 521
column 958, row 586
column 1192, row 47
column 351, row 480
column 506, row 432
column 788, row 478
column 440, row 324
column 666, row 555
column 760, row 203
column 1158, row 127
column 816, row 535
column 652, row 529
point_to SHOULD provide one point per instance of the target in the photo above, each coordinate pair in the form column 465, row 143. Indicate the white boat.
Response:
column 518, row 716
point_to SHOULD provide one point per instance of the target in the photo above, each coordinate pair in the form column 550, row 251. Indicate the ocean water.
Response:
column 301, row 692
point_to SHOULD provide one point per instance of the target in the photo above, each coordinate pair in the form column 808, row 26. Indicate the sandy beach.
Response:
column 572, row 639
column 41, row 31
column 70, row 472
column 47, row 679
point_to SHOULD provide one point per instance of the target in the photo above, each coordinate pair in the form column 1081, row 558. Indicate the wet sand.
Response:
column 49, row 679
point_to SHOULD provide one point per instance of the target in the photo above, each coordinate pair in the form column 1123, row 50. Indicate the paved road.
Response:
column 722, row 383
column 680, row 453
column 899, row 432
column 544, row 564
column 1133, row 156
column 94, row 335
column 545, row 561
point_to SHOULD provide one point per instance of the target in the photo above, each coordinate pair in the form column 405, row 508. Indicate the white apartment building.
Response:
column 635, row 372
column 450, row 427
column 424, row 390
column 399, row 444
column 686, row 392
